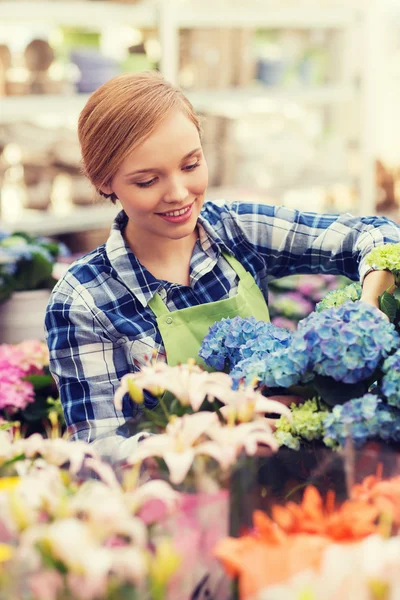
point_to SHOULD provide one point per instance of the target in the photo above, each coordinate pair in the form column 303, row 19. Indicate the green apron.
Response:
column 183, row 331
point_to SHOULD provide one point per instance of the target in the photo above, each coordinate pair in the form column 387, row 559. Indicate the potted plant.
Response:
column 26, row 279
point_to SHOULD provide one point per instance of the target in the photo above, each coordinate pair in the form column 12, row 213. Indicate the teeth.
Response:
column 177, row 213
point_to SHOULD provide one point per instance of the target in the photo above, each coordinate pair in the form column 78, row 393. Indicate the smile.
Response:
column 178, row 216
column 177, row 213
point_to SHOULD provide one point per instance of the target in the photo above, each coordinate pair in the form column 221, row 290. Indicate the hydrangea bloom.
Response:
column 391, row 379
column 361, row 419
column 229, row 341
column 307, row 424
column 15, row 393
column 16, row 362
column 339, row 297
column 346, row 343
column 385, row 257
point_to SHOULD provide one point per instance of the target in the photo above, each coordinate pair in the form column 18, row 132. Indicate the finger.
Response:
column 287, row 400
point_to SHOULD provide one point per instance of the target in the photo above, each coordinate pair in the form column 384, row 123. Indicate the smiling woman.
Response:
column 172, row 265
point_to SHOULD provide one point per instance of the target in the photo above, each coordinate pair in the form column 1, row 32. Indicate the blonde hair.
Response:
column 119, row 116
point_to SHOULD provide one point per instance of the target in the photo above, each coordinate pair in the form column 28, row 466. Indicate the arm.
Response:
column 375, row 283
column 87, row 366
column 293, row 242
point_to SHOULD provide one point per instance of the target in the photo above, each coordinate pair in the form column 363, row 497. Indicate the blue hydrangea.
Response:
column 362, row 419
column 231, row 341
column 391, row 379
column 346, row 343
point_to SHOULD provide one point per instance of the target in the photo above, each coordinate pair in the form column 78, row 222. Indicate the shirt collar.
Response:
column 136, row 277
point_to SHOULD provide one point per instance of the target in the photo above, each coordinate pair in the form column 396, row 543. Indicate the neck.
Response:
column 149, row 250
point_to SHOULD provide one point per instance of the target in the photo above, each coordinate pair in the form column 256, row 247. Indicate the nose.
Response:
column 176, row 190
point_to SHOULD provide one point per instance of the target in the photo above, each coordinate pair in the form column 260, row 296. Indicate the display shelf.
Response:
column 15, row 108
column 77, row 218
column 257, row 99
column 253, row 99
column 79, row 13
column 256, row 15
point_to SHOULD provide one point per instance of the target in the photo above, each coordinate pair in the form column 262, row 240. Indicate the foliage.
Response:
column 26, row 263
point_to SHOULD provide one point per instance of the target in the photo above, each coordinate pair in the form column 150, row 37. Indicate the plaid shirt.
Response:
column 100, row 327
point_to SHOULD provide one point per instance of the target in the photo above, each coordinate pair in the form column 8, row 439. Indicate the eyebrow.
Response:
column 151, row 170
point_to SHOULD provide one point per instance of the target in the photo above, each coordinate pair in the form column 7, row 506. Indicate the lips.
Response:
column 177, row 216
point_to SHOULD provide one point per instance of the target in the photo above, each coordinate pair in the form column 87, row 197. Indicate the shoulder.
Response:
column 215, row 210
column 89, row 271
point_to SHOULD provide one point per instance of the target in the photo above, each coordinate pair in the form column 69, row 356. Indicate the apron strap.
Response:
column 158, row 307
column 235, row 264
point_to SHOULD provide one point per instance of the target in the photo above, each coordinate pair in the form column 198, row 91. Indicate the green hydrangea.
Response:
column 385, row 257
column 307, row 424
column 336, row 298
column 285, row 438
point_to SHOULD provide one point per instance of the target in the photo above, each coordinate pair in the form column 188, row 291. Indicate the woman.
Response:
column 173, row 265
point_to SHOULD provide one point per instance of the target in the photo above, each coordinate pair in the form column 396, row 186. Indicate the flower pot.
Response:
column 22, row 316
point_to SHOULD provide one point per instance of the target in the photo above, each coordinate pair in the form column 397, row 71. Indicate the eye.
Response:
column 146, row 184
column 192, row 167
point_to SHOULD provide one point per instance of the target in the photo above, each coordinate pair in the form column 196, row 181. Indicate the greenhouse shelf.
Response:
column 253, row 14
column 78, row 218
column 255, row 99
column 79, row 13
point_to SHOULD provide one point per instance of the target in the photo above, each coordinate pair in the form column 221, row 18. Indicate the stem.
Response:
column 164, row 408
column 219, row 413
column 391, row 288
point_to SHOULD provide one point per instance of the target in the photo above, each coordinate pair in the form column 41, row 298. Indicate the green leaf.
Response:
column 40, row 382
column 336, row 392
column 388, row 305
column 33, row 274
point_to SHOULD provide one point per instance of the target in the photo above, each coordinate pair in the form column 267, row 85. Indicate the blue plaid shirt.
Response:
column 100, row 327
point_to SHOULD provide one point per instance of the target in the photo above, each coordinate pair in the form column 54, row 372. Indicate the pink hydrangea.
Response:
column 31, row 356
column 15, row 393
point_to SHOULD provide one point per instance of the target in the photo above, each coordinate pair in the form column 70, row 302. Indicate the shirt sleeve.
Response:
column 87, row 367
column 301, row 242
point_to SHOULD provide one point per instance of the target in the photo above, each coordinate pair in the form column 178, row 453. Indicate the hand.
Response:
column 287, row 401
column 373, row 302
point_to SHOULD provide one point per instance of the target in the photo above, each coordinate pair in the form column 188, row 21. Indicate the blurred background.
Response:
column 300, row 100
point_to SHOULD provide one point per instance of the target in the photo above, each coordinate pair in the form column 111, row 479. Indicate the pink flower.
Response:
column 15, row 393
column 46, row 585
column 30, row 356
column 35, row 356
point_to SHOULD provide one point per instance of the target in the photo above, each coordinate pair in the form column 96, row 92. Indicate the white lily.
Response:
column 245, row 404
column 107, row 512
column 228, row 441
column 152, row 377
column 177, row 446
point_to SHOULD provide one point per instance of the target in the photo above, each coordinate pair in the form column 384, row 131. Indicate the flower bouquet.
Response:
column 322, row 548
column 344, row 361
column 203, row 429
column 28, row 395
column 70, row 529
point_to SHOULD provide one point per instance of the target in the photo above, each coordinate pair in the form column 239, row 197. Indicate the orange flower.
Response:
column 384, row 495
column 293, row 540
column 259, row 563
column 352, row 521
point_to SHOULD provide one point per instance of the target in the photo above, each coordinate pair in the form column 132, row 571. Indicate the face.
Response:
column 161, row 184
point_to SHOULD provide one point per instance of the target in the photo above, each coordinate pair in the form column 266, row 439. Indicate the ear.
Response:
column 106, row 189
